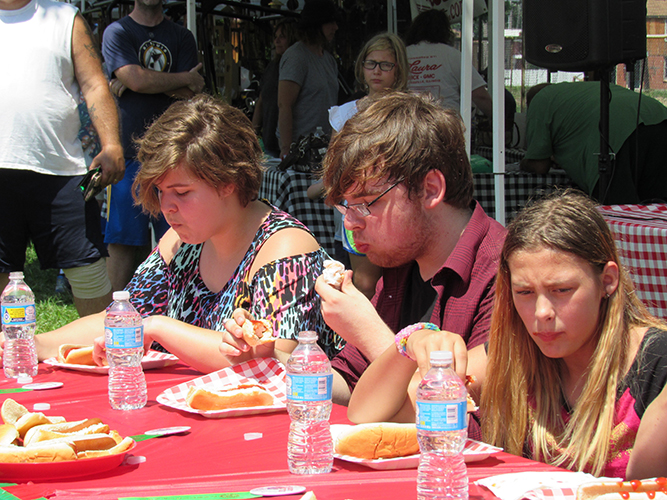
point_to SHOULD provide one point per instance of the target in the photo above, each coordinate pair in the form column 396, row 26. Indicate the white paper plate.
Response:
column 152, row 360
column 474, row 451
column 268, row 372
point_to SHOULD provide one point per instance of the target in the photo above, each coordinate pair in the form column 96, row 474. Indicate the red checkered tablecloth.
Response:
column 640, row 232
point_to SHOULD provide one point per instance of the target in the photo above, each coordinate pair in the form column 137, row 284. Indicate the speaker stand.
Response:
column 605, row 159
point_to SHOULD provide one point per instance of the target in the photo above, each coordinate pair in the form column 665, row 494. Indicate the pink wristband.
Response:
column 401, row 338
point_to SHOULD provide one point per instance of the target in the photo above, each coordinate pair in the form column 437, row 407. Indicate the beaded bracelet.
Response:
column 401, row 339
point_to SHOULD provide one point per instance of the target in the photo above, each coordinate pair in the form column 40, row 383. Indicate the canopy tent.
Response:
column 465, row 10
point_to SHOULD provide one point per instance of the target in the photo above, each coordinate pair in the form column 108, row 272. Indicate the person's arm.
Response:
column 349, row 313
column 536, row 166
column 386, row 392
column 257, row 115
column 288, row 92
column 146, row 81
column 81, row 331
column 341, row 391
column 482, row 99
column 649, row 453
column 101, row 105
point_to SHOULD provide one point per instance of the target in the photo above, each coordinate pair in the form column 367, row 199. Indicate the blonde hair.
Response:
column 392, row 43
column 215, row 141
column 522, row 395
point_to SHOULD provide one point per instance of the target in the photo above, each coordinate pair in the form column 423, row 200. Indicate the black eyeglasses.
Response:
column 363, row 208
column 384, row 65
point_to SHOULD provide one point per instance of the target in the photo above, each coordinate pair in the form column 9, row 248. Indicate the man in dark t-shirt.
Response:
column 152, row 62
column 400, row 173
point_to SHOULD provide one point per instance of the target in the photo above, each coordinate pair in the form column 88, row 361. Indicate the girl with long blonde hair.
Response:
column 575, row 372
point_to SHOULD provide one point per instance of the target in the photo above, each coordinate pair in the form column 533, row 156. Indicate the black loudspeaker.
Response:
column 582, row 35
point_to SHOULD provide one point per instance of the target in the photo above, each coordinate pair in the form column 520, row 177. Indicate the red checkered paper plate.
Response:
column 474, row 451
column 268, row 372
column 152, row 360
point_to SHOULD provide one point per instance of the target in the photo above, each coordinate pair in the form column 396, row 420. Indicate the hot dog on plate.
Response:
column 28, row 437
column 378, row 440
column 242, row 396
column 624, row 490
column 76, row 354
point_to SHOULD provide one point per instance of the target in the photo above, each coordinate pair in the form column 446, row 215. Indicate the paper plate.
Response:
column 474, row 451
column 152, row 360
column 21, row 473
column 268, row 372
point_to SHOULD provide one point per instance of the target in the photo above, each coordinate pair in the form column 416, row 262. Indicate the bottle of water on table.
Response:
column 18, row 326
column 309, row 386
column 442, row 431
column 124, row 342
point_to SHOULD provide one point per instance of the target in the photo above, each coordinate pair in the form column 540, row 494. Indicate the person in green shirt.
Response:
column 562, row 129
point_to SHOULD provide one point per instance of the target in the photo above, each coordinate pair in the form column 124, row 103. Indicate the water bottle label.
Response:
column 442, row 415
column 316, row 387
column 124, row 338
column 23, row 314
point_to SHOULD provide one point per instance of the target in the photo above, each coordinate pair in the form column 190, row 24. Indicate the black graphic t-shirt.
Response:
column 166, row 47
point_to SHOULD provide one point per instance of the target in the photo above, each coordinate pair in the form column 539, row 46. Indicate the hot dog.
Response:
column 48, row 432
column 52, row 439
column 242, row 396
column 76, row 354
column 380, row 440
column 646, row 489
column 256, row 332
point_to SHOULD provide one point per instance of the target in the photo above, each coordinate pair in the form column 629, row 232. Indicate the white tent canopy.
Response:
column 465, row 10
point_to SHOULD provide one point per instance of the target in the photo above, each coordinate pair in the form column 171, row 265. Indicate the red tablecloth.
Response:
column 213, row 457
column 640, row 232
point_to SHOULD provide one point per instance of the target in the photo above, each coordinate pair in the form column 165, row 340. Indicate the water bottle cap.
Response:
column 121, row 295
column 16, row 275
column 441, row 357
column 307, row 336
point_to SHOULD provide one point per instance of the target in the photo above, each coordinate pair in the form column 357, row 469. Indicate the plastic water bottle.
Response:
column 309, row 385
column 18, row 326
column 124, row 342
column 442, row 431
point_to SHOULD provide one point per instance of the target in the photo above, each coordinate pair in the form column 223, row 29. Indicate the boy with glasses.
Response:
column 399, row 173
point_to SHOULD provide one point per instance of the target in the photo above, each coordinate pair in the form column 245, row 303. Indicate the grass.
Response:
column 53, row 310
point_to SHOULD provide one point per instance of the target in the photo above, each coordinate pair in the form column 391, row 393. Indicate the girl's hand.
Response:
column 234, row 348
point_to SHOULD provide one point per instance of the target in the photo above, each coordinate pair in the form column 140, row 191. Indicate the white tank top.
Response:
column 39, row 95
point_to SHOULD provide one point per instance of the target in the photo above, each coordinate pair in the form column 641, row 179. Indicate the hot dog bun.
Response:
column 76, row 354
column 80, row 442
column 381, row 440
column 48, row 432
column 256, row 332
column 11, row 411
column 242, row 396
column 124, row 445
column 333, row 273
column 44, row 452
column 53, row 439
column 624, row 490
column 8, row 434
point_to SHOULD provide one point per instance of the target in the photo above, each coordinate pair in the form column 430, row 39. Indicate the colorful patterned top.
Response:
column 282, row 291
column 642, row 384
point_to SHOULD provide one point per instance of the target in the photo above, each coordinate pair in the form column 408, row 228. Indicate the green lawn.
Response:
column 53, row 310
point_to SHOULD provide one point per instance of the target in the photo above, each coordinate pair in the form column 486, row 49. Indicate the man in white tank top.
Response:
column 49, row 61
